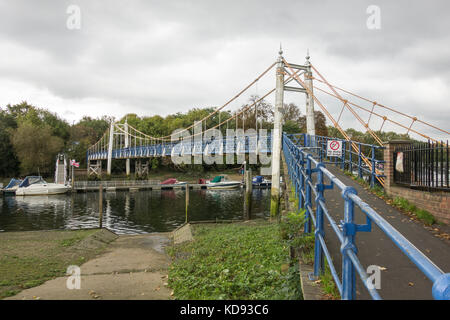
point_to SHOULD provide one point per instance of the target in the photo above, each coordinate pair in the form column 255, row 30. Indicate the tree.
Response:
column 320, row 123
column 25, row 112
column 84, row 134
column 291, row 127
column 291, row 112
column 9, row 164
column 36, row 148
column 263, row 111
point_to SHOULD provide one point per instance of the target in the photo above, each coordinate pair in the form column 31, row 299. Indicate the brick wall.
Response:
column 436, row 202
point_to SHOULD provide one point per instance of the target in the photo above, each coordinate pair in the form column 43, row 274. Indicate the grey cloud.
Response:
column 167, row 56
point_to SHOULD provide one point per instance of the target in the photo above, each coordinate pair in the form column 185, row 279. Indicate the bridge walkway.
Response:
column 400, row 279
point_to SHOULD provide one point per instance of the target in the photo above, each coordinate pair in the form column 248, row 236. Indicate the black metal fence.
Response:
column 422, row 166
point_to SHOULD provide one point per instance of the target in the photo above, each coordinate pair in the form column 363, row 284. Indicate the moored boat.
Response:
column 12, row 186
column 173, row 181
column 261, row 182
column 222, row 182
column 35, row 185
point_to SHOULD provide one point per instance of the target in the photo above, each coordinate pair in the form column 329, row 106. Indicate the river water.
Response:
column 126, row 212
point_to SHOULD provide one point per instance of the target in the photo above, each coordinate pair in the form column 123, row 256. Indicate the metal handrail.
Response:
column 347, row 160
column 301, row 168
column 249, row 144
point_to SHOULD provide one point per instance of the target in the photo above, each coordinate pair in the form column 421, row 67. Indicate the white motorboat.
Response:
column 222, row 182
column 35, row 185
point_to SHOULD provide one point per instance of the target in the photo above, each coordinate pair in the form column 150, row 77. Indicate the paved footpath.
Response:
column 133, row 267
column 400, row 278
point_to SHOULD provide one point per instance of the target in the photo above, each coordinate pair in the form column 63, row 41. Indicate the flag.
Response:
column 74, row 163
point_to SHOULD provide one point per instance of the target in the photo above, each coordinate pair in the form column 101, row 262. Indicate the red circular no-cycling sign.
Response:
column 334, row 145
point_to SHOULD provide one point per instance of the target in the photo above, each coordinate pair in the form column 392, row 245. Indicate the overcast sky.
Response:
column 161, row 57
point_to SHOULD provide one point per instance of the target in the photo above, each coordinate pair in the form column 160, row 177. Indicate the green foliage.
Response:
column 9, row 164
column 327, row 283
column 422, row 214
column 399, row 202
column 36, row 154
column 234, row 261
column 291, row 127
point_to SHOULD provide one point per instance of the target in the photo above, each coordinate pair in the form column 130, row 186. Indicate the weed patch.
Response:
column 234, row 261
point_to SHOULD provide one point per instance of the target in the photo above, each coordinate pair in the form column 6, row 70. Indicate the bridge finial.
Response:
column 281, row 50
column 307, row 57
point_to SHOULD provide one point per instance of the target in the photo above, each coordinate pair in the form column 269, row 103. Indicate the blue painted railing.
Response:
column 350, row 160
column 308, row 176
column 239, row 144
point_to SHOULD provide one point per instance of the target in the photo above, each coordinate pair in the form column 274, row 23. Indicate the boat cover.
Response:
column 31, row 180
column 13, row 183
column 217, row 179
column 258, row 179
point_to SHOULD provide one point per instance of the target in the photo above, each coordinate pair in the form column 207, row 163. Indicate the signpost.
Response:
column 334, row 148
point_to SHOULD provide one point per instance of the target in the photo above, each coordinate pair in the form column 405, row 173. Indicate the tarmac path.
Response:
column 400, row 278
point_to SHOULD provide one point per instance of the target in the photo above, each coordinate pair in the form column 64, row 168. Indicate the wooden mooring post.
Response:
column 100, row 205
column 187, row 201
column 248, row 194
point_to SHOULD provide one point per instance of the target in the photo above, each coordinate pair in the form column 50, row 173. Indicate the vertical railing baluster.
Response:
column 442, row 163
column 372, row 178
column 302, row 181
column 318, row 252
column 447, row 173
column 350, row 157
column 359, row 161
column 308, row 195
column 348, row 271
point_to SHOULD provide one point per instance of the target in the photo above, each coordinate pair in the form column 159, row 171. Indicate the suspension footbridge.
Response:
column 316, row 186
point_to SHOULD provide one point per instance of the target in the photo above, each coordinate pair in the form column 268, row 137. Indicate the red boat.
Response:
column 172, row 181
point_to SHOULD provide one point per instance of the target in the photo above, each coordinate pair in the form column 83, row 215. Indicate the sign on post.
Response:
column 334, row 148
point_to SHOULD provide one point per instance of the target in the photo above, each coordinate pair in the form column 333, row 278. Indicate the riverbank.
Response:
column 245, row 260
column 30, row 258
column 129, row 267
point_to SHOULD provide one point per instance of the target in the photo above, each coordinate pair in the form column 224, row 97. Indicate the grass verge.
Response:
column 28, row 259
column 292, row 226
column 234, row 261
column 398, row 202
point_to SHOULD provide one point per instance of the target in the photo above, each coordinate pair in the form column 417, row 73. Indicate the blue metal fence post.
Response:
column 318, row 252
column 302, row 181
column 350, row 157
column 343, row 156
column 349, row 231
column 359, row 161
column 308, row 195
column 372, row 179
column 294, row 163
column 320, row 149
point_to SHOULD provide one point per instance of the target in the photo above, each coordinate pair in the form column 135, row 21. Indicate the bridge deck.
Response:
column 401, row 279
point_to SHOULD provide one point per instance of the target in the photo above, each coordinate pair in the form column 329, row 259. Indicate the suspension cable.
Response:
column 354, row 146
column 385, row 107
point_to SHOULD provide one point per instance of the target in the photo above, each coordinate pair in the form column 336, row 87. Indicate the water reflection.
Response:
column 126, row 212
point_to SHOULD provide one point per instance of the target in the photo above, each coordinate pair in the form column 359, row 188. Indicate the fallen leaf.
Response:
column 411, row 284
